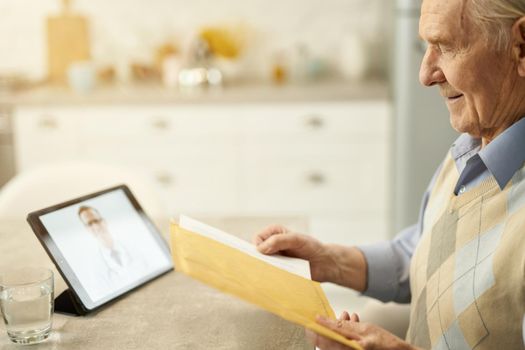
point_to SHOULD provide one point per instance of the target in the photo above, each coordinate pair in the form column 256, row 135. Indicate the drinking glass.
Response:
column 26, row 302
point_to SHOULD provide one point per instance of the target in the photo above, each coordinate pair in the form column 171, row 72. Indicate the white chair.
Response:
column 52, row 184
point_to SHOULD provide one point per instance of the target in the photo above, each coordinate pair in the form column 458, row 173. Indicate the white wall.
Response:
column 124, row 30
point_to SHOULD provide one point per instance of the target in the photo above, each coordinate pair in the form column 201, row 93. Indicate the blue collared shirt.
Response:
column 389, row 262
column 501, row 158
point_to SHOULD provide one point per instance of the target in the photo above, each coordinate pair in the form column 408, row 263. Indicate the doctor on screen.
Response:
column 117, row 265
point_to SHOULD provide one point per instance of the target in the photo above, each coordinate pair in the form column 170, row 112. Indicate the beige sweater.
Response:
column 468, row 272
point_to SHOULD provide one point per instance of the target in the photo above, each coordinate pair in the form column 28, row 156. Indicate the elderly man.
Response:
column 462, row 267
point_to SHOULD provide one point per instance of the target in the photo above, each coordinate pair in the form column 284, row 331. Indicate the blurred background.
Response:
column 287, row 108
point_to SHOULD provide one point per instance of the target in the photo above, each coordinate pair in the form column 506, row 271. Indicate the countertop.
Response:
column 331, row 90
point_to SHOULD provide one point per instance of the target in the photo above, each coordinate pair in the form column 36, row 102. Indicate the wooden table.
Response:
column 171, row 312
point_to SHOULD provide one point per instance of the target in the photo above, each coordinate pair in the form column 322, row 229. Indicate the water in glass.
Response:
column 27, row 311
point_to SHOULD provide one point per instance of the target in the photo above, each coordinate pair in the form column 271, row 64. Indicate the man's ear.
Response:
column 518, row 35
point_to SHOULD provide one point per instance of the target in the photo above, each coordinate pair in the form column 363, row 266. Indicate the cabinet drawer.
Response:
column 202, row 187
column 136, row 152
column 352, row 150
column 316, row 183
column 313, row 119
column 43, row 135
column 154, row 121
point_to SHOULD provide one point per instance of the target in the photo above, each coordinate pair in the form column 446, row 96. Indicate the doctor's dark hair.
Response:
column 85, row 208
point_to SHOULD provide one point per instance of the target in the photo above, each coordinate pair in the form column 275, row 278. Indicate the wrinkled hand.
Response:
column 324, row 343
column 277, row 239
column 369, row 336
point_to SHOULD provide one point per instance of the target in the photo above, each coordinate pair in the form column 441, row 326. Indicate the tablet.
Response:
column 103, row 244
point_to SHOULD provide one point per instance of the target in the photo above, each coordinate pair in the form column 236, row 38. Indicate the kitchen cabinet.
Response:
column 326, row 160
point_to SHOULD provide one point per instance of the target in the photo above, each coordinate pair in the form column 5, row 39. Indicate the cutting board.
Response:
column 67, row 42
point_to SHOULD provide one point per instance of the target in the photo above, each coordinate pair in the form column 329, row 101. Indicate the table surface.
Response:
column 173, row 311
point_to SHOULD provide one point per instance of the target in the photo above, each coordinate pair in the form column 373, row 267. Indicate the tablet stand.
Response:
column 66, row 303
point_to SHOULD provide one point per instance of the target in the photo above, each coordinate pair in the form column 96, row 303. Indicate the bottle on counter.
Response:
column 279, row 69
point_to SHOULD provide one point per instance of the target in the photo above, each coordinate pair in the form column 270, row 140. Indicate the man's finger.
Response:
column 268, row 232
column 277, row 243
column 345, row 316
column 344, row 328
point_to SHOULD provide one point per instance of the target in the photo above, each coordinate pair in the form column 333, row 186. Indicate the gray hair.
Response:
column 495, row 19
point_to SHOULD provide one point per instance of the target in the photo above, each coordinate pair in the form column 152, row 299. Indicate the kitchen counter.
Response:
column 241, row 93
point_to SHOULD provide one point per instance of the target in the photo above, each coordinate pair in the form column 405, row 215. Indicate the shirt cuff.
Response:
column 382, row 273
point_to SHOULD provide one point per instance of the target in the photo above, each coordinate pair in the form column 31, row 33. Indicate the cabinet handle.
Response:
column 47, row 123
column 161, row 124
column 164, row 179
column 317, row 178
column 315, row 122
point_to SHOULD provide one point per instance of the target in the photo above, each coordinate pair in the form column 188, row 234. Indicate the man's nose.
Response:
column 430, row 73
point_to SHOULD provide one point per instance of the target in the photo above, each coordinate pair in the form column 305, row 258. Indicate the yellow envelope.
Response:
column 280, row 292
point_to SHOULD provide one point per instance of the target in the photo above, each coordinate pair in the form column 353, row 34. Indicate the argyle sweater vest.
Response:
column 467, row 275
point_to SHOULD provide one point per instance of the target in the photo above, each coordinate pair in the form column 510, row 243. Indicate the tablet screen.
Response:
column 107, row 244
